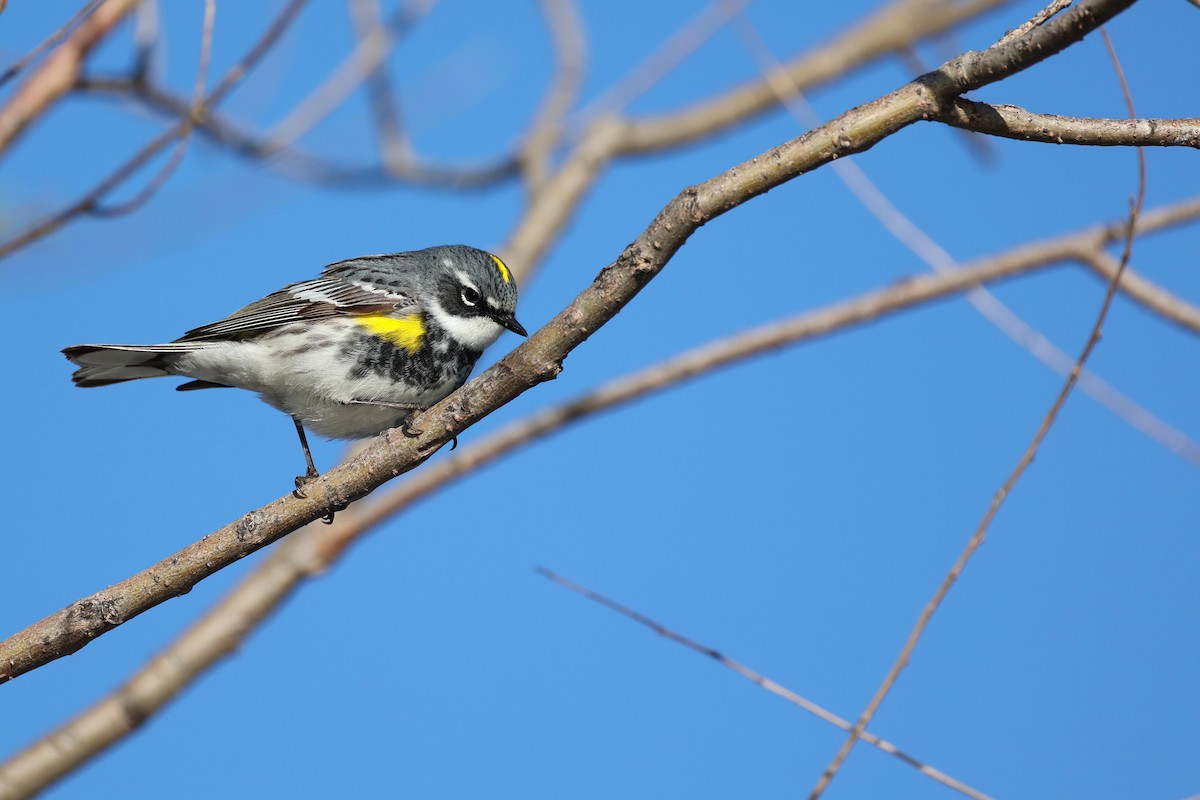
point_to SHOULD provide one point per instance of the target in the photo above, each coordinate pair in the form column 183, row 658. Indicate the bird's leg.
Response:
column 312, row 473
column 405, row 428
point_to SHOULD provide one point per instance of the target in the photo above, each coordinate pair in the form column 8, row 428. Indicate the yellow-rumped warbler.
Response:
column 349, row 354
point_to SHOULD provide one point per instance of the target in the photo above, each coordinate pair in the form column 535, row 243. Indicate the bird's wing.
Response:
column 302, row 302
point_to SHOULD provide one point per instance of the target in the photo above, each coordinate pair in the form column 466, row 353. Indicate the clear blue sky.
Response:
column 795, row 512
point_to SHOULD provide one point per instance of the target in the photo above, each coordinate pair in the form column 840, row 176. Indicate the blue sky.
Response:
column 794, row 512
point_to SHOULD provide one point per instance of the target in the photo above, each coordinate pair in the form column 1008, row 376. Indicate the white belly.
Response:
column 314, row 386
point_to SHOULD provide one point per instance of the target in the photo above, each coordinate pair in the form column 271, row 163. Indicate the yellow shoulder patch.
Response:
column 405, row 332
column 500, row 265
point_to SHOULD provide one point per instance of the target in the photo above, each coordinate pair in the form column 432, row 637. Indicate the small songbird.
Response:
column 347, row 355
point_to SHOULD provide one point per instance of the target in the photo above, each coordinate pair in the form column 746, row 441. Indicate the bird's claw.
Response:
column 301, row 482
column 300, row 494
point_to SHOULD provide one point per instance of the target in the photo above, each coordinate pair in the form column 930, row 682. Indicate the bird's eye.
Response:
column 469, row 296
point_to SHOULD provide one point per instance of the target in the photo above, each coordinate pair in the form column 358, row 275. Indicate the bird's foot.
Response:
column 301, row 482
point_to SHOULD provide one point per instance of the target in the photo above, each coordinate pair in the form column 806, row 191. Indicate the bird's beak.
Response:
column 512, row 324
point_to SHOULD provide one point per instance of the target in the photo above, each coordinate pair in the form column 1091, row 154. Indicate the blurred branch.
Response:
column 759, row 679
column 661, row 62
column 317, row 548
column 938, row 259
column 90, row 201
column 295, row 162
column 196, row 111
column 890, row 30
column 1013, row 122
column 554, row 199
column 570, row 56
column 1010, row 483
column 1149, row 294
column 51, row 40
column 540, row 357
column 218, row 634
column 394, row 146
column 608, row 137
column 147, row 41
column 366, row 58
column 56, row 76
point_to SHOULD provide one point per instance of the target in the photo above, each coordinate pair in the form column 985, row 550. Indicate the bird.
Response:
column 356, row 351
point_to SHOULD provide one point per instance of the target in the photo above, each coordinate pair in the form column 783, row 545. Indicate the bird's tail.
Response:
column 103, row 364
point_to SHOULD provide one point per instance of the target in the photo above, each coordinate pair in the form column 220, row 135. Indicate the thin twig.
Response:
column 295, row 162
column 938, row 259
column 51, row 40
column 667, row 57
column 570, row 56
column 394, row 145
column 367, row 57
column 998, row 499
column 91, row 199
column 176, row 157
column 1040, row 18
column 147, row 40
column 759, row 679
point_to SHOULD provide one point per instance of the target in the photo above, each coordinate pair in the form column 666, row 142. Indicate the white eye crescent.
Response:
column 470, row 296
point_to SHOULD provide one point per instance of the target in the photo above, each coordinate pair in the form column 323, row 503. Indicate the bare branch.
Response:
column 197, row 111
column 1037, row 19
column 317, row 548
column 1013, row 122
column 607, row 138
column 570, row 55
column 540, row 357
column 1146, row 292
column 147, row 41
column 94, row 730
column 366, row 58
column 295, row 162
column 88, row 203
column 660, row 63
column 891, row 29
column 759, row 679
column 938, row 259
column 58, row 72
column 394, row 146
column 51, row 40
column 1001, row 495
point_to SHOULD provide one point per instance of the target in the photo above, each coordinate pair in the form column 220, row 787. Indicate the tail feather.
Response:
column 105, row 364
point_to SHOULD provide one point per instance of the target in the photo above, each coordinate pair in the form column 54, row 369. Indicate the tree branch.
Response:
column 57, row 74
column 88, row 203
column 1013, row 122
column 570, row 55
column 51, row 40
column 540, row 357
column 892, row 29
column 316, row 549
column 981, row 530
column 759, row 680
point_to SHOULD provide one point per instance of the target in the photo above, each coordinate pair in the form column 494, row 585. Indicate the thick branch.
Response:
column 540, row 357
